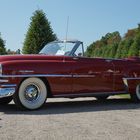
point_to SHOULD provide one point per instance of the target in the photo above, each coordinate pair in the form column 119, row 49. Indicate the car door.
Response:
column 121, row 71
column 92, row 75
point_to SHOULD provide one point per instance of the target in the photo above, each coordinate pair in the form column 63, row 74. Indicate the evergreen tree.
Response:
column 105, row 47
column 39, row 33
column 89, row 50
column 124, row 46
column 135, row 47
column 113, row 46
column 2, row 47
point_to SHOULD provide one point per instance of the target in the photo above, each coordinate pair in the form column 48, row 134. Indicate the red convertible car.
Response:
column 62, row 70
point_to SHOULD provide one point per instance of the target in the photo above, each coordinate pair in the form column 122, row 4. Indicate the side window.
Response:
column 79, row 51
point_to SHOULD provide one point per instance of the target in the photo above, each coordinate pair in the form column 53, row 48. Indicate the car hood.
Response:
column 28, row 57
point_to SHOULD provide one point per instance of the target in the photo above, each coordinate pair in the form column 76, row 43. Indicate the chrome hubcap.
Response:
column 32, row 92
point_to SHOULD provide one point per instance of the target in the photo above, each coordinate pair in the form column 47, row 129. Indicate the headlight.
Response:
column 0, row 69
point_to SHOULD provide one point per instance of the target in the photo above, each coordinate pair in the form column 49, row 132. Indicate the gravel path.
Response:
column 77, row 119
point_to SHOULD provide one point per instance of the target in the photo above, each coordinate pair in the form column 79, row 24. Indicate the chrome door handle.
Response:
column 75, row 58
column 108, row 60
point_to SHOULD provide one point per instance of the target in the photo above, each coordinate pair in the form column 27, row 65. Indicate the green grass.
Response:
column 127, row 96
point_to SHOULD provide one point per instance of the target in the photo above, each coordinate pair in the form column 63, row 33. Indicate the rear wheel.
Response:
column 136, row 96
column 31, row 95
column 6, row 100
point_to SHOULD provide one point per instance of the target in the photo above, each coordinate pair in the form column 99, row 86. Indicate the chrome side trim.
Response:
column 6, row 92
column 133, row 78
column 37, row 75
column 125, row 82
column 3, row 81
column 26, row 71
column 9, row 85
column 83, row 76
column 0, row 69
column 49, row 75
column 90, row 94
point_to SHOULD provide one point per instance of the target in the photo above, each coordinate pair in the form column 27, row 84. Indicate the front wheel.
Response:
column 31, row 95
column 136, row 96
column 6, row 100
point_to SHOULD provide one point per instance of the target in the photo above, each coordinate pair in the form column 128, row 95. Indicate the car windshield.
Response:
column 58, row 48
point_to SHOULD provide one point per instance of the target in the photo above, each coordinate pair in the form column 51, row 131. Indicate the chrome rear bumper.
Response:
column 6, row 92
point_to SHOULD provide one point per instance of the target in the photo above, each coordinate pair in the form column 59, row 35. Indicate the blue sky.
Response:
column 89, row 20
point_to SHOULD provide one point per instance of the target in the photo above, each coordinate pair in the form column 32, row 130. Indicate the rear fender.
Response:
column 131, row 84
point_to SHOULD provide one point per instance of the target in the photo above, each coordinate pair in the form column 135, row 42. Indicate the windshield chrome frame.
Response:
column 75, row 47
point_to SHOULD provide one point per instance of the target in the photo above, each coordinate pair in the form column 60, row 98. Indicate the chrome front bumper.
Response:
column 6, row 89
column 6, row 92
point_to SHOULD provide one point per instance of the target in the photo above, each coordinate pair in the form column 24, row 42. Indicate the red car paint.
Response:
column 75, row 76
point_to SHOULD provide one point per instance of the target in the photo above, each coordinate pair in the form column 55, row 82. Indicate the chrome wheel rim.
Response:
column 32, row 92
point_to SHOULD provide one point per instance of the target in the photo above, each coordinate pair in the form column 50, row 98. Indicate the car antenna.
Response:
column 67, row 28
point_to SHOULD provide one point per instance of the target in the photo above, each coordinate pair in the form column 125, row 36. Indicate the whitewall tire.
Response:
column 138, row 92
column 136, row 96
column 32, row 94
